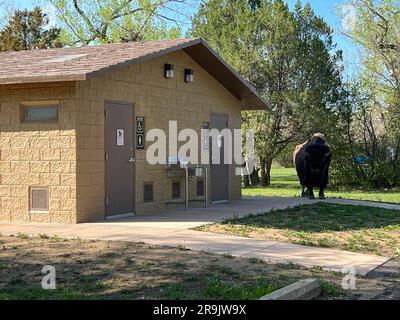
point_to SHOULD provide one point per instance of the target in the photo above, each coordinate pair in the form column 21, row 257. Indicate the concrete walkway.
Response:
column 171, row 229
column 195, row 217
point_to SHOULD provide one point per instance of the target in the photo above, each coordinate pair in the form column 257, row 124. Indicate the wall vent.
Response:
column 38, row 199
column 176, row 190
column 148, row 192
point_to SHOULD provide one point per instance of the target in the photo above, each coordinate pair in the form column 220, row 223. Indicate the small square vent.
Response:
column 176, row 190
column 39, row 199
column 148, row 192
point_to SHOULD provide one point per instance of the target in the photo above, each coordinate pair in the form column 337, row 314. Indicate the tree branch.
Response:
column 86, row 19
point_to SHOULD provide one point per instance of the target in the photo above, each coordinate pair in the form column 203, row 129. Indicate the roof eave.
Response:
column 219, row 69
column 42, row 79
column 257, row 101
column 197, row 49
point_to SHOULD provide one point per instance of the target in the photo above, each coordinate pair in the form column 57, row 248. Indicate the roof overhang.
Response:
column 206, row 57
column 197, row 49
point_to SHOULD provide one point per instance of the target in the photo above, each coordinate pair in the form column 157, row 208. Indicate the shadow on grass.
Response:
column 110, row 275
column 209, row 284
column 324, row 217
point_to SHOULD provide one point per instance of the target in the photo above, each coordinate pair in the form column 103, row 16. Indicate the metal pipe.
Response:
column 187, row 189
column 206, row 187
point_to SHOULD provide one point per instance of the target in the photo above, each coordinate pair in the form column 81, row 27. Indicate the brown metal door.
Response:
column 119, row 142
column 219, row 172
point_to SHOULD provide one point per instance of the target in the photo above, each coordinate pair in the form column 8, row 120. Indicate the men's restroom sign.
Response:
column 139, row 132
column 120, row 137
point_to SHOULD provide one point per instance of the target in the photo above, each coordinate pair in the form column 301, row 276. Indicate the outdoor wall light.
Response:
column 169, row 70
column 189, row 75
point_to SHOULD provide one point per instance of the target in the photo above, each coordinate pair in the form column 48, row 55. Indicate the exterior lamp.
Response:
column 189, row 75
column 169, row 70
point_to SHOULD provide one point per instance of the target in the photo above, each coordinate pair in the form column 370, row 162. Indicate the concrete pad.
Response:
column 195, row 217
column 328, row 259
column 209, row 242
column 364, row 203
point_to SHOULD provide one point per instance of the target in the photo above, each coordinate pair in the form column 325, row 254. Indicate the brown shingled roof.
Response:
column 74, row 64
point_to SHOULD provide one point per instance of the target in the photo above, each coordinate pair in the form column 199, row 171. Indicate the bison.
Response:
column 312, row 160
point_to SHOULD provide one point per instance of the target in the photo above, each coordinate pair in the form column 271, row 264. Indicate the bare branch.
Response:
column 86, row 19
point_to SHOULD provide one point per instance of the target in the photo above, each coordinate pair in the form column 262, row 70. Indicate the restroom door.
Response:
column 219, row 172
column 120, row 158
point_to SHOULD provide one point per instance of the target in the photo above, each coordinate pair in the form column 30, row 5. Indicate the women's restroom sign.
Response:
column 139, row 132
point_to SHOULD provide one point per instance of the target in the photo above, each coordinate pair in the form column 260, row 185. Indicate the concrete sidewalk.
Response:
column 195, row 217
column 170, row 229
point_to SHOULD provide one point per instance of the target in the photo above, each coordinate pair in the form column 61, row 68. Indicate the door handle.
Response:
column 131, row 159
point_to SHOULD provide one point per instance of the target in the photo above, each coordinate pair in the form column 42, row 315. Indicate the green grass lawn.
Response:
column 284, row 183
column 352, row 228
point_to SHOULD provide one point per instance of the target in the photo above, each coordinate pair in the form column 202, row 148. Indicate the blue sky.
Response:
column 323, row 8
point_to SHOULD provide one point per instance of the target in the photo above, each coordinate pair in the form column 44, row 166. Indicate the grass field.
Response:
column 352, row 228
column 284, row 183
column 121, row 270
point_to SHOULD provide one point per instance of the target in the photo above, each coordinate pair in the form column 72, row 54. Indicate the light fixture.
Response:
column 189, row 75
column 169, row 70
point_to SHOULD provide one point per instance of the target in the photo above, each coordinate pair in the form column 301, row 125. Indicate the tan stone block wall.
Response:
column 158, row 100
column 37, row 155
column 68, row 157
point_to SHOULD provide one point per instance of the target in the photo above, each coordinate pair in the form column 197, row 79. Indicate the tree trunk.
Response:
column 268, row 166
column 246, row 181
column 254, row 178
column 265, row 173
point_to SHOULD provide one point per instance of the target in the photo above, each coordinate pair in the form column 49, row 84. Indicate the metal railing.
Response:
column 186, row 169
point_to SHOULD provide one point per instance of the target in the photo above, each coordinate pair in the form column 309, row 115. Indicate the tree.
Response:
column 105, row 21
column 318, row 87
column 29, row 30
column 376, row 110
column 377, row 30
column 288, row 58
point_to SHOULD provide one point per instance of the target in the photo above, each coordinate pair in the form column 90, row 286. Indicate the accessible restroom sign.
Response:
column 139, row 132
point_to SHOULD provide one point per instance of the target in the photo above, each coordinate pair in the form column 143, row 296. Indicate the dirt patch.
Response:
column 121, row 270
column 387, row 278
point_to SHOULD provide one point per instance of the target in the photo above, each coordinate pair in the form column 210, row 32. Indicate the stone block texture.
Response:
column 38, row 154
column 68, row 157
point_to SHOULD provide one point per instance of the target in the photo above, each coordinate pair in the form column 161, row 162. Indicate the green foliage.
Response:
column 23, row 236
column 216, row 288
column 329, row 289
column 28, row 30
column 285, row 159
column 288, row 56
column 107, row 21
column 370, row 121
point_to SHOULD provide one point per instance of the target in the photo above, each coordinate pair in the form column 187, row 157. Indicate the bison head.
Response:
column 316, row 158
